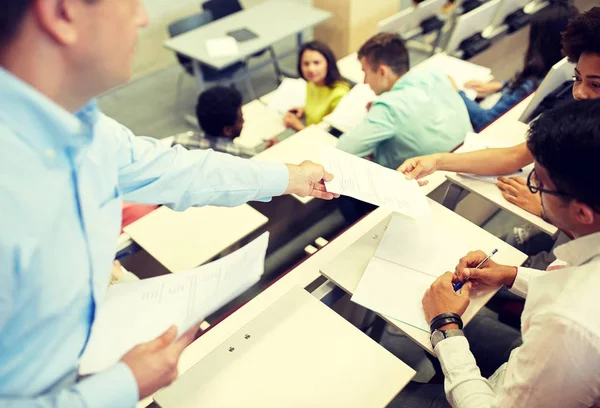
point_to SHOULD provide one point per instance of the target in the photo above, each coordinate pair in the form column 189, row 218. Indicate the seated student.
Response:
column 324, row 85
column 416, row 112
column 543, row 52
column 219, row 114
column 557, row 364
column 581, row 44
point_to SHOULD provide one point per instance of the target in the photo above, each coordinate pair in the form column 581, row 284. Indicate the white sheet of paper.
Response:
column 420, row 246
column 222, row 47
column 290, row 94
column 138, row 312
column 394, row 291
column 352, row 108
column 260, row 122
column 461, row 71
column 372, row 183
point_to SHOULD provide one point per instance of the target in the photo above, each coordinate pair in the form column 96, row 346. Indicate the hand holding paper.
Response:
column 372, row 183
column 139, row 312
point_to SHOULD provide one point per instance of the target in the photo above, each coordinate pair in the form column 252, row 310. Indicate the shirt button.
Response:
column 50, row 153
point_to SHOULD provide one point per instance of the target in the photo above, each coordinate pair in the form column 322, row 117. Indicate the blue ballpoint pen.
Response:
column 459, row 285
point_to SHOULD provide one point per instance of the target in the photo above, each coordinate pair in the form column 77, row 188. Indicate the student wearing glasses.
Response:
column 557, row 363
column 324, row 85
column 581, row 44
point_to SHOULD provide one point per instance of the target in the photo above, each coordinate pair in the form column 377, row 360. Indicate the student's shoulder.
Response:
column 341, row 88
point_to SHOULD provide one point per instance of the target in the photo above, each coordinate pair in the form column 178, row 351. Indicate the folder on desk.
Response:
column 410, row 257
column 242, row 35
column 296, row 353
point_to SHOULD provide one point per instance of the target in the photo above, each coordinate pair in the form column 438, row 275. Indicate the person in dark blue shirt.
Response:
column 543, row 52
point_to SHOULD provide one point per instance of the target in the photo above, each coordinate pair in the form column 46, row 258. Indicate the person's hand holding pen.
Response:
column 489, row 272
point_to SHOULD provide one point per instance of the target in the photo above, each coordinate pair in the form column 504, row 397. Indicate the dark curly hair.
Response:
column 217, row 107
column 582, row 35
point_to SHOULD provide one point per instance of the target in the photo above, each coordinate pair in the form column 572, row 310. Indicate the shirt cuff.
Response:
column 115, row 387
column 520, row 286
column 275, row 180
column 453, row 352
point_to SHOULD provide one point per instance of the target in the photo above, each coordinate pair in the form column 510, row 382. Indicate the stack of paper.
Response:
column 410, row 257
column 372, row 183
column 222, row 47
column 290, row 94
column 352, row 109
column 138, row 312
column 461, row 71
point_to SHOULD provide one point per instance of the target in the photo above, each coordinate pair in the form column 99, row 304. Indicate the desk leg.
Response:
column 453, row 196
column 436, row 42
column 299, row 39
column 198, row 75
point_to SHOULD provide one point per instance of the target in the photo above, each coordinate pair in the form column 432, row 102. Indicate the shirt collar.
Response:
column 580, row 250
column 39, row 121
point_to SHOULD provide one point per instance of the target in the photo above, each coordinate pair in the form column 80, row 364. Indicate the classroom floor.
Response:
column 148, row 107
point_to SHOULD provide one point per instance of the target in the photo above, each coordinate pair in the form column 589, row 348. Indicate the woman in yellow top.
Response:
column 324, row 85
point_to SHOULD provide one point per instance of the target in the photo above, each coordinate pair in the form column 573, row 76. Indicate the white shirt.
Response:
column 558, row 364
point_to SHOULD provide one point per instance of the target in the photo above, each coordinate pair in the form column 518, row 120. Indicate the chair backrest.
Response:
column 187, row 24
column 471, row 23
column 222, row 8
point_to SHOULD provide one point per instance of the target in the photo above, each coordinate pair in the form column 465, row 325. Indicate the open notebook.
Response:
column 411, row 256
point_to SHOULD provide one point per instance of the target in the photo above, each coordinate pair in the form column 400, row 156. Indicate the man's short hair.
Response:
column 582, row 35
column 386, row 49
column 566, row 141
column 13, row 12
column 218, row 107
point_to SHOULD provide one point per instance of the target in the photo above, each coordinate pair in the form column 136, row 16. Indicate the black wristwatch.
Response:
column 439, row 335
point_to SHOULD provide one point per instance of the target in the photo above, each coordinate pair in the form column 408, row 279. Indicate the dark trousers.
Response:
column 491, row 343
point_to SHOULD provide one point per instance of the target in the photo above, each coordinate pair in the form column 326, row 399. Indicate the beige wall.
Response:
column 151, row 55
column 353, row 23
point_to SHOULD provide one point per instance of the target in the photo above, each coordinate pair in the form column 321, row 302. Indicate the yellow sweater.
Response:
column 322, row 100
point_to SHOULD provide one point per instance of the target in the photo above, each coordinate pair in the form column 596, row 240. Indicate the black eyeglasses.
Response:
column 536, row 186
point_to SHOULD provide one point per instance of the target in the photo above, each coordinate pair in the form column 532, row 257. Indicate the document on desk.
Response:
column 352, row 108
column 410, row 257
column 222, row 47
column 374, row 184
column 138, row 312
column 461, row 71
column 290, row 94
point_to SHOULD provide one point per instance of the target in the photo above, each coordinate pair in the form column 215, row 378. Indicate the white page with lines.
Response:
column 138, row 312
column 410, row 256
column 372, row 183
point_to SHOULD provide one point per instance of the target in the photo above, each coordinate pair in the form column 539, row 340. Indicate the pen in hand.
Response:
column 459, row 285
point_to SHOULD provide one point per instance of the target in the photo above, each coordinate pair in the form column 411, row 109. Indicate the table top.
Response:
column 301, row 146
column 302, row 275
column 347, row 268
column 184, row 240
column 304, row 352
column 270, row 21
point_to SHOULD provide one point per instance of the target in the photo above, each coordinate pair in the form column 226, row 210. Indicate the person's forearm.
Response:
column 486, row 162
column 115, row 387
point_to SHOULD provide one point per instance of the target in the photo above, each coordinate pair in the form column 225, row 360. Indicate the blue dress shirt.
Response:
column 421, row 114
column 64, row 177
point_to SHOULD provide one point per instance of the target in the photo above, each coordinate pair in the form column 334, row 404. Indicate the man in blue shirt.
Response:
column 417, row 111
column 66, row 169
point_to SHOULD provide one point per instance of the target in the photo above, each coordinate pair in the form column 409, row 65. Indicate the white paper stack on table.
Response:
column 260, row 125
column 352, row 109
column 290, row 94
column 410, row 257
column 372, row 183
column 461, row 71
column 474, row 142
column 138, row 312
column 222, row 47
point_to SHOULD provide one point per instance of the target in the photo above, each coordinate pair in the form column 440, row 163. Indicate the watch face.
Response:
column 437, row 336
